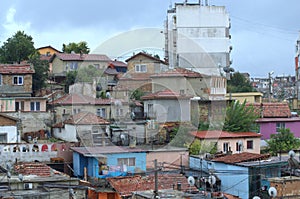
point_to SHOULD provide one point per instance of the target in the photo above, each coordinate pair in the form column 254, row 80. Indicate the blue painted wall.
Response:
column 92, row 165
column 234, row 179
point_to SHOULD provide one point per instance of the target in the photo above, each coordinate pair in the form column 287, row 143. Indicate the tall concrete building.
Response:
column 197, row 38
column 297, row 72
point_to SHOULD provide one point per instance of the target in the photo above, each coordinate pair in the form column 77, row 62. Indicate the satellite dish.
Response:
column 191, row 180
column 122, row 136
column 20, row 177
column 212, row 180
column 292, row 154
column 272, row 192
column 256, row 197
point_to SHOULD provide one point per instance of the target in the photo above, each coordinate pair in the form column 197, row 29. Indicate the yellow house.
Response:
column 250, row 97
column 47, row 50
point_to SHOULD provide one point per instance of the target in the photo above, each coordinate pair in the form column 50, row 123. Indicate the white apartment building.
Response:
column 197, row 37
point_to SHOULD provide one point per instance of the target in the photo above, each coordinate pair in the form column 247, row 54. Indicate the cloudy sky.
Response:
column 264, row 32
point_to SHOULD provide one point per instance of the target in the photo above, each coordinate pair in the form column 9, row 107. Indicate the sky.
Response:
column 264, row 32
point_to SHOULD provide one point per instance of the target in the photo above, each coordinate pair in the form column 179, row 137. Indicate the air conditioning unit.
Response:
column 27, row 186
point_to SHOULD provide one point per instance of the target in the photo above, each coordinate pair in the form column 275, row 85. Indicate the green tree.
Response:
column 240, row 117
column 137, row 94
column 198, row 147
column 87, row 74
column 81, row 47
column 283, row 141
column 70, row 79
column 17, row 48
column 239, row 83
column 41, row 68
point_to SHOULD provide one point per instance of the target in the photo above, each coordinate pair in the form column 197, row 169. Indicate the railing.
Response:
column 30, row 152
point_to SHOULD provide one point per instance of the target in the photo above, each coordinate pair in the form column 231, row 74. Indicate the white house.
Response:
column 8, row 129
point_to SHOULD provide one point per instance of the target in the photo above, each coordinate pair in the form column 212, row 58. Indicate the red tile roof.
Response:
column 125, row 186
column 33, row 168
column 272, row 110
column 178, row 72
column 145, row 55
column 166, row 94
column 241, row 157
column 79, row 99
column 16, row 69
column 86, row 118
column 78, row 57
column 215, row 134
column 117, row 63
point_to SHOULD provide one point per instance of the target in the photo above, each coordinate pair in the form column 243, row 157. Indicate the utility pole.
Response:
column 270, row 84
column 155, row 179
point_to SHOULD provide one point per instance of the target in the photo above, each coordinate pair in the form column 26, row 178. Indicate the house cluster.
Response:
column 119, row 145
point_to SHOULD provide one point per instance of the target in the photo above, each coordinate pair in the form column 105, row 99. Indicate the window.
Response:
column 73, row 66
column 126, row 161
column 239, row 146
column 35, row 106
column 280, row 125
column 3, row 138
column 225, row 147
column 76, row 110
column 18, row 80
column 140, row 68
column 0, row 79
column 101, row 112
column 19, row 106
column 119, row 112
column 97, row 66
column 250, row 144
column 150, row 110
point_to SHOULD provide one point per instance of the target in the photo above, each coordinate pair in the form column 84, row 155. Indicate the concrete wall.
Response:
column 68, row 133
column 33, row 121
column 168, row 159
column 170, row 110
column 11, row 133
column 287, row 187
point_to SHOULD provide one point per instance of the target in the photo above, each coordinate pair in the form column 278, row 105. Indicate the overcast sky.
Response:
column 264, row 32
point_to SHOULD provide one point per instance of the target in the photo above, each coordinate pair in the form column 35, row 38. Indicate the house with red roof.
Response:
column 139, row 69
column 61, row 63
column 73, row 103
column 16, row 80
column 241, row 174
column 189, row 82
column 84, row 127
column 229, row 142
column 274, row 116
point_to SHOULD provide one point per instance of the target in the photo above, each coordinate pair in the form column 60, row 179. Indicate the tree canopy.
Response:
column 87, row 74
column 17, row 48
column 81, row 47
column 240, row 117
column 41, row 68
column 283, row 141
column 239, row 83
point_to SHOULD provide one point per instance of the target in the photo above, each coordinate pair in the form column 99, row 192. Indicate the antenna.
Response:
column 272, row 192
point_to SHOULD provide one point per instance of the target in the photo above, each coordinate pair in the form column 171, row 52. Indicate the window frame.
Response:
column 280, row 125
column 130, row 161
column 101, row 112
column 140, row 68
column 250, row 146
column 35, row 106
column 18, row 78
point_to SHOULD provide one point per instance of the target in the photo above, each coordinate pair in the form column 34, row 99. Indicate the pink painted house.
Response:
column 275, row 116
